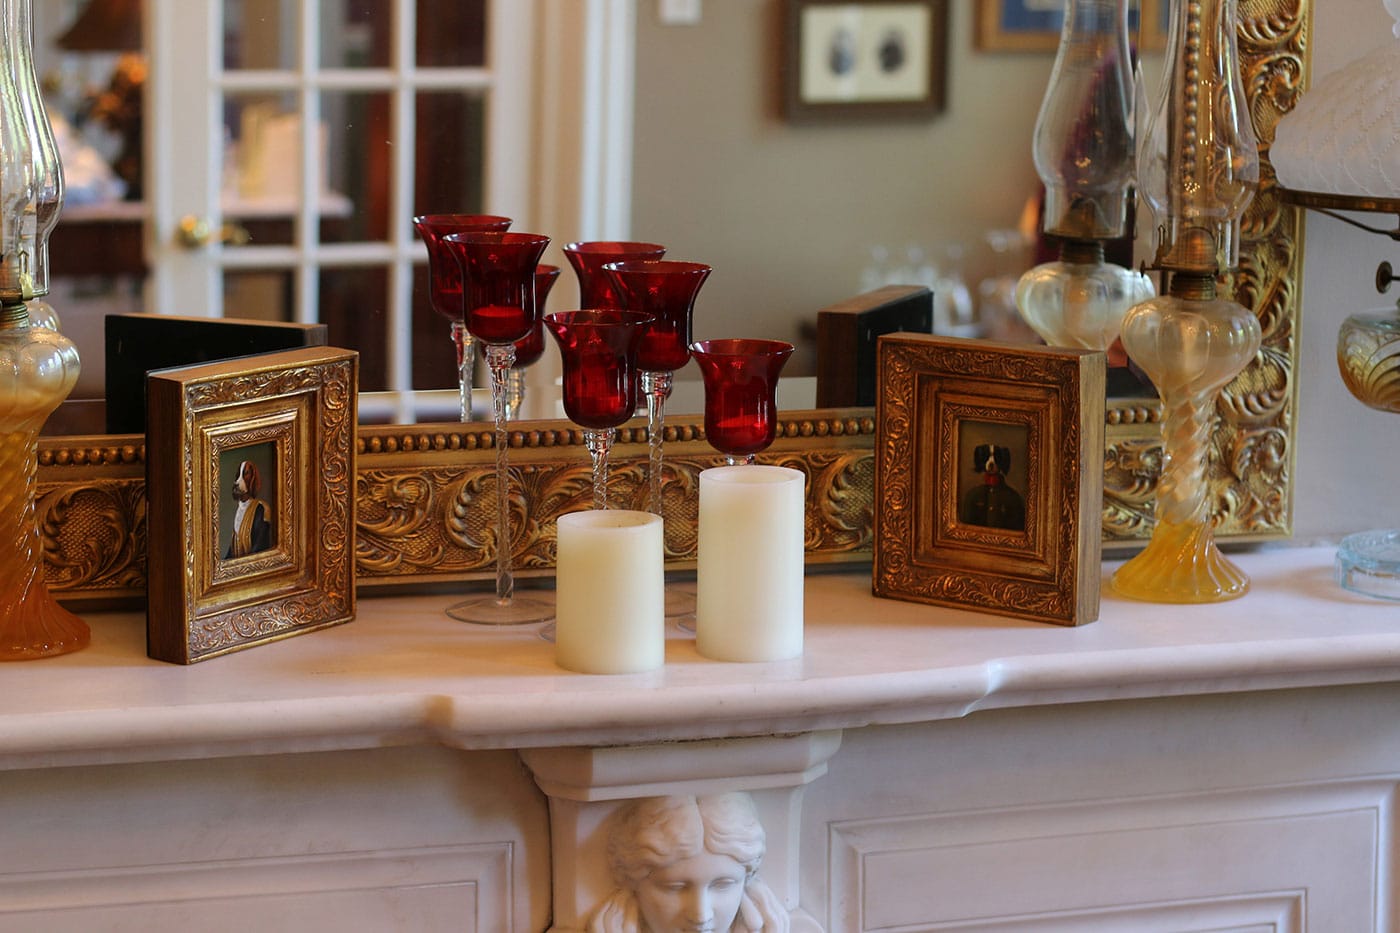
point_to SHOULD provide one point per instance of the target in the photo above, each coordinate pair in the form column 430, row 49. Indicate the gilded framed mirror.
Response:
column 423, row 490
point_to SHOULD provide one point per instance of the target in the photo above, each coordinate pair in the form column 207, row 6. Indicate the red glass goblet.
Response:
column 498, row 302
column 595, row 287
column 741, row 381
column 445, row 285
column 530, row 348
column 599, row 351
column 666, row 290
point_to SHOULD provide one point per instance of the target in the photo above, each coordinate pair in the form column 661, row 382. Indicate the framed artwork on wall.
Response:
column 864, row 59
column 1034, row 25
column 989, row 462
column 250, row 484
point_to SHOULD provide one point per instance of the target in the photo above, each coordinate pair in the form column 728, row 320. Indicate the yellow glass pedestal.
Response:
column 1181, row 564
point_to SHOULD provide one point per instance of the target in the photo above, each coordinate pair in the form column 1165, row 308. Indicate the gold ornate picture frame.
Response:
column 250, row 482
column 988, row 458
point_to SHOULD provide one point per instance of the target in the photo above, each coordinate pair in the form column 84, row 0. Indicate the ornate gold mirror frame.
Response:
column 424, row 512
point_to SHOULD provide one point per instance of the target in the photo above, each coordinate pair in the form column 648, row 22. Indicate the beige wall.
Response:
column 786, row 213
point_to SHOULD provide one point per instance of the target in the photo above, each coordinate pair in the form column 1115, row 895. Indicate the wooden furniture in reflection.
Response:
column 98, row 239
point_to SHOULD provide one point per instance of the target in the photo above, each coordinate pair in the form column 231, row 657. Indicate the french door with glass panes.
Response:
column 290, row 143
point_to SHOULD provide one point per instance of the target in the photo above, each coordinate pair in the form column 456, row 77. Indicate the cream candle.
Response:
column 750, row 562
column 610, row 587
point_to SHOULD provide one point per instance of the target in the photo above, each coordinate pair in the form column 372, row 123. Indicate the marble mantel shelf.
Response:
column 402, row 673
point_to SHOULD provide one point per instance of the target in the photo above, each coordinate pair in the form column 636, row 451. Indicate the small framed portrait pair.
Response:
column 250, row 486
column 989, row 463
column 861, row 59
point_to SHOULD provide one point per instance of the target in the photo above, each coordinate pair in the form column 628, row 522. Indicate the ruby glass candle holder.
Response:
column 530, row 348
column 445, row 286
column 666, row 290
column 741, row 382
column 499, row 308
column 595, row 287
column 598, row 349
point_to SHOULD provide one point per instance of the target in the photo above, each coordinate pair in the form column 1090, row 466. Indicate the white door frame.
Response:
column 569, row 99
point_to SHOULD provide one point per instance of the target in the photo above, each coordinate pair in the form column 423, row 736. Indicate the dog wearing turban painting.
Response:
column 252, row 519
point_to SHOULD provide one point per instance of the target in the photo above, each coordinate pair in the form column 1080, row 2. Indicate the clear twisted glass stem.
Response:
column 500, row 358
column 465, row 344
column 1182, row 490
column 657, row 388
column 599, row 443
column 739, row 461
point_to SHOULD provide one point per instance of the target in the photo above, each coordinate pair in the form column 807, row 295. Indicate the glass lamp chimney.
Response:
column 1198, row 165
column 31, row 177
column 1083, row 143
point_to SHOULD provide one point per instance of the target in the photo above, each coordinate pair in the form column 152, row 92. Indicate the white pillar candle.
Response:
column 610, row 586
column 749, row 567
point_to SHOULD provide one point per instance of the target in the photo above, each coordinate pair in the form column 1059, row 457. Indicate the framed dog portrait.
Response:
column 989, row 462
column 250, row 489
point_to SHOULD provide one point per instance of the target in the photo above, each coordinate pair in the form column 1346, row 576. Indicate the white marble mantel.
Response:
column 404, row 771
column 401, row 673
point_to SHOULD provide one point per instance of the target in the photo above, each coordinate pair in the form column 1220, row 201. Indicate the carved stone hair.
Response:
column 657, row 831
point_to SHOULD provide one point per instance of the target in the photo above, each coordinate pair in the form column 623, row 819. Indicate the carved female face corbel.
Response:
column 687, row 864
column 701, row 892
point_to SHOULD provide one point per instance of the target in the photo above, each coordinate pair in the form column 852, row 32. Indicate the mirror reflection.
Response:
column 411, row 106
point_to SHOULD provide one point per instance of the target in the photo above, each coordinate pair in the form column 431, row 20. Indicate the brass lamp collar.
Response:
column 1192, row 286
column 1082, row 252
column 13, row 313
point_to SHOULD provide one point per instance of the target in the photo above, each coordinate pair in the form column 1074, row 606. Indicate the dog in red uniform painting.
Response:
column 252, row 517
column 992, row 503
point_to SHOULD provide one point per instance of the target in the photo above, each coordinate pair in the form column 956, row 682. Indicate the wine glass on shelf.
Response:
column 445, row 285
column 741, row 381
column 598, row 349
column 530, row 348
column 595, row 287
column 498, row 302
column 666, row 290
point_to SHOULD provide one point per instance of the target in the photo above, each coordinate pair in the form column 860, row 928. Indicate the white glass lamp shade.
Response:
column 1343, row 137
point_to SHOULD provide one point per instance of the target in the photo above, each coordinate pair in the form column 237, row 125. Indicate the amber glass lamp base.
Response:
column 32, row 624
column 40, row 367
column 1181, row 564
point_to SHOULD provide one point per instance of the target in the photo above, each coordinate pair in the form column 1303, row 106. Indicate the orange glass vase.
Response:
column 38, row 368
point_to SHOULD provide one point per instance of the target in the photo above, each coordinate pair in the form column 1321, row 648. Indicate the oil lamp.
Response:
column 38, row 366
column 1083, row 149
column 1336, row 152
column 1198, row 169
